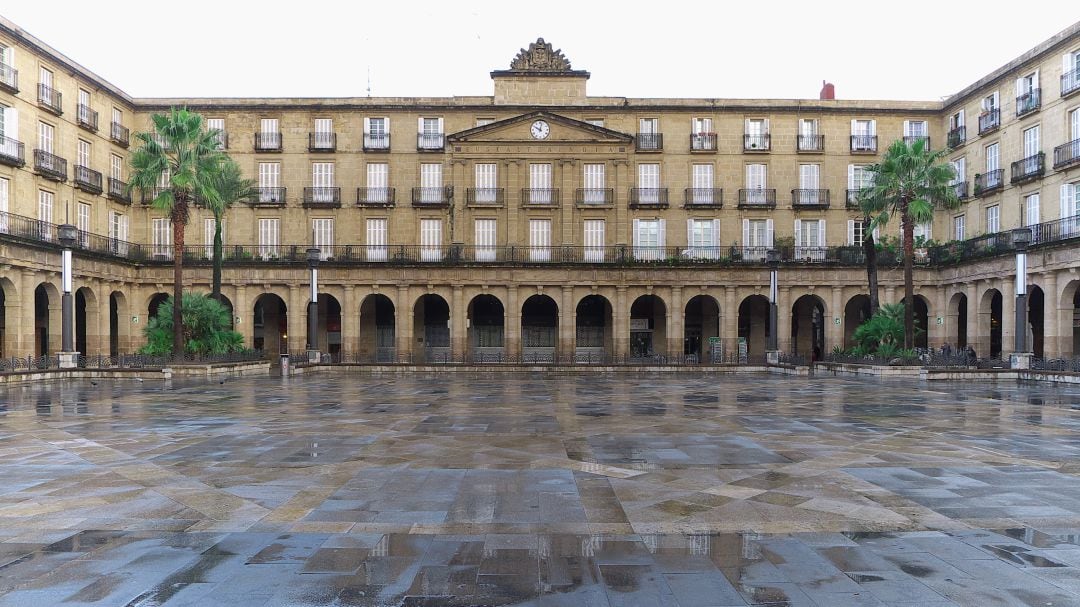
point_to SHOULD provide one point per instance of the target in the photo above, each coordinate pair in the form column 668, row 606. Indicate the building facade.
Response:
column 541, row 221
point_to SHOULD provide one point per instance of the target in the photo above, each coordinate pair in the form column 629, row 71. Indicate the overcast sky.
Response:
column 233, row 48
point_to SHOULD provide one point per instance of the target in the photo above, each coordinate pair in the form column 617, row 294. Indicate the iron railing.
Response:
column 711, row 198
column 23, row 228
column 1061, row 365
column 376, row 142
column 87, row 179
column 375, row 197
column 118, row 191
column 1070, row 82
column 1028, row 102
column 961, row 190
column 50, row 99
column 119, row 134
column 1027, row 169
column 540, row 357
column 12, row 152
column 810, row 198
column 756, row 143
column 439, row 196
column 989, row 120
column 911, row 139
column 50, row 166
column 540, row 197
column 757, row 197
column 269, row 196
column 810, row 143
column 649, row 142
column 991, row 181
column 322, row 197
column 86, row 117
column 648, row 197
column 957, row 136
column 9, row 79
column 851, row 198
column 222, row 137
column 594, row 196
column 268, row 141
column 703, row 142
column 1067, row 154
column 865, row 144
column 485, row 196
column 321, row 141
column 430, row 142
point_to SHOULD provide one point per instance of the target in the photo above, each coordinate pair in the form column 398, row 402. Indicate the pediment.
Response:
column 561, row 130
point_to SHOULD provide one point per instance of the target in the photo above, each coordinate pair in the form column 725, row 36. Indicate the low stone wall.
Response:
column 240, row 369
column 852, row 370
column 508, row 368
column 1062, row 377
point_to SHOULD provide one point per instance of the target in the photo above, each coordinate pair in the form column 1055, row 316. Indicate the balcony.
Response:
column 87, row 179
column 1070, row 82
column 118, row 191
column 989, row 121
column 703, row 142
column 149, row 195
column 86, row 117
column 268, row 196
column 1028, row 102
column 989, row 182
column 1027, row 169
column 376, row 142
column 1066, row 154
column 12, row 152
column 322, row 197
column 432, row 197
column 322, row 142
column 911, row 139
column 540, row 197
column 119, row 134
column 703, row 198
column 648, row 198
column 649, row 142
column 375, row 197
column 594, row 197
column 809, row 198
column 961, row 190
column 757, row 198
column 864, row 144
column 851, row 200
column 484, row 197
column 957, row 136
column 9, row 79
column 50, row 166
column 810, row 143
column 430, row 142
column 50, row 99
column 268, row 142
column 223, row 140
column 756, row 143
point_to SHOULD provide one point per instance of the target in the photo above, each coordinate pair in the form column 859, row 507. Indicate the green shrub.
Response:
column 885, row 327
column 206, row 328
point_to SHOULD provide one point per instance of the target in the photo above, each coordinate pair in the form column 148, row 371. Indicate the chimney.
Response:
column 828, row 91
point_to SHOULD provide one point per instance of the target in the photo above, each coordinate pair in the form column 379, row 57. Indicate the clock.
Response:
column 540, row 130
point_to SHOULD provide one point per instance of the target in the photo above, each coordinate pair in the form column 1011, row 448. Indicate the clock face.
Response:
column 540, row 130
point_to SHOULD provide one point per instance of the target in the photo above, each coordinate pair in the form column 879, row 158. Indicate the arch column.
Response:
column 512, row 324
column 56, row 319
column 350, row 321
column 783, row 318
column 834, row 333
column 26, row 327
column 729, row 319
column 403, row 323
column 1053, row 340
column 676, row 323
column 459, row 315
column 297, row 316
column 938, row 334
column 974, row 311
column 243, row 309
column 1008, row 316
column 621, row 320
column 890, row 295
column 567, row 324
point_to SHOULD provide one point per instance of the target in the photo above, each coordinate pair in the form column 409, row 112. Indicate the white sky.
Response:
column 712, row 49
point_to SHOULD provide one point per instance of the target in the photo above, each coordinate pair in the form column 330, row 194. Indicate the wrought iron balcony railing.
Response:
column 325, row 196
column 594, row 197
column 484, row 196
column 223, row 139
column 756, row 143
column 911, row 139
column 961, row 190
column 430, row 142
column 851, row 198
column 1028, row 102
column 648, row 197
column 1027, row 169
column 540, row 197
column 432, row 197
column 810, row 143
column 148, row 196
column 703, row 142
column 1070, row 82
column 375, row 197
column 864, row 144
column 957, row 136
column 119, row 134
column 989, row 120
column 1067, row 154
column 810, row 198
column 268, row 141
column 50, row 99
column 376, row 142
column 991, row 181
column 50, row 166
column 649, row 142
column 87, row 179
column 751, row 198
column 320, row 141
column 268, row 196
column 86, row 117
column 118, row 191
column 12, row 152
column 9, row 79
column 703, row 198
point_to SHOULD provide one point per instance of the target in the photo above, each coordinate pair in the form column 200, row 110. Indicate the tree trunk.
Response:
column 215, row 289
column 909, row 285
column 179, row 219
column 870, row 253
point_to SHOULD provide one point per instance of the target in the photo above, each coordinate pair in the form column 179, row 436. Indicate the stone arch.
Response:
column 754, row 326
column 154, row 302
column 957, row 316
column 329, row 325
column 701, row 321
column 431, row 326
column 648, row 327
column 922, row 321
column 594, row 329
column 990, row 322
column 47, row 319
column 9, row 327
column 486, row 328
column 86, row 321
column 378, row 326
column 270, row 325
column 856, row 312
column 1069, row 309
column 539, row 328
column 808, row 315
column 1036, row 317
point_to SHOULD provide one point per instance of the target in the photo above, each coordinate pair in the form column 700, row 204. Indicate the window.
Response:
column 809, row 183
column 990, row 103
column 218, row 124
column 486, row 179
column 1031, row 142
column 1070, row 72
column 859, row 177
column 83, row 108
column 540, row 183
column 990, row 117
column 117, row 116
column 648, row 183
column 1074, row 125
column 9, row 129
column 808, row 140
column 648, row 126
column 756, row 134
column 810, row 239
column 485, row 239
column 376, row 133
column 45, row 137
column 378, row 185
column 118, row 232
column 45, row 211
column 269, row 230
column 594, row 240
column 45, row 93
column 863, row 135
column 539, row 240
column 702, row 136
column 270, row 135
column 757, row 238
column 7, row 55
column 1070, row 199
column 594, row 184
column 703, row 238
column 915, row 130
column 993, row 219
column 82, row 157
column 323, row 231
column 958, row 227
column 430, row 133
column 956, row 120
column 431, row 182
column 82, row 222
column 484, row 121
column 960, row 167
column 377, row 239
column 1027, row 93
column 595, row 122
column 430, row 239
column 921, row 233
column 856, row 232
column 993, row 177
column 322, row 182
column 5, row 191
column 116, row 167
column 209, row 226
column 269, row 177
column 161, row 238
column 649, row 137
column 649, row 239
column 1031, row 210
column 701, row 179
column 756, row 175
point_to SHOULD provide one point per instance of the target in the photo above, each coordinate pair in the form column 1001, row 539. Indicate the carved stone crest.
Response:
column 540, row 57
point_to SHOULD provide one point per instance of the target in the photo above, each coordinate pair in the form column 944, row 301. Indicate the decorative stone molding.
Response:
column 540, row 57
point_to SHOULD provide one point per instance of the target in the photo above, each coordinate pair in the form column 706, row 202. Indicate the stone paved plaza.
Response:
column 610, row 490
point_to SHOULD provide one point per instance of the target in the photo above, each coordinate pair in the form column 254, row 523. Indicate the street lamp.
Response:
column 68, row 356
column 1021, row 358
column 772, row 259
column 313, row 256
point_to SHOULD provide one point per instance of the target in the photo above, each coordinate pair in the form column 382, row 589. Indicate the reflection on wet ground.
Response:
column 539, row 490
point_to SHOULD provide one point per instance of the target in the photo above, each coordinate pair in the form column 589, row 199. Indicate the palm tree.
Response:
column 910, row 181
column 181, row 156
column 231, row 187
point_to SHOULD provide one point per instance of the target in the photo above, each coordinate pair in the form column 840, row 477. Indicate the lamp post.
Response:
column 772, row 259
column 313, row 255
column 1021, row 356
column 68, row 356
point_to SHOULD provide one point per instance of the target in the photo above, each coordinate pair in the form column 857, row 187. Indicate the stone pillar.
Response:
column 973, row 324
column 567, row 170
column 350, row 322
column 244, row 310
column 622, row 224
column 567, row 324
column 459, row 316
column 783, row 318
column 26, row 328
column 513, row 201
column 890, row 295
column 1008, row 315
column 403, row 324
column 729, row 320
column 1053, row 339
column 297, row 317
column 676, row 323
column 939, row 334
column 512, row 318
column 621, row 319
column 457, row 208
column 101, row 343
column 13, row 322
column 834, row 333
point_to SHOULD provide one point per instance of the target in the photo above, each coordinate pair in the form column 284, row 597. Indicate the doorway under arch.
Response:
column 539, row 329
column 593, row 329
column 486, row 329
column 270, row 327
column 753, row 328
column 702, row 329
column 648, row 327
column 378, row 329
column 856, row 312
column 431, row 325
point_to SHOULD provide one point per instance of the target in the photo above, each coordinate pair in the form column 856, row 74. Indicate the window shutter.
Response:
column 1066, row 63
column 1035, row 80
column 851, row 177
column 634, row 236
column 689, row 233
column 821, row 232
column 745, row 232
column 1019, row 85
column 854, row 125
column 1068, row 204
column 960, row 118
column 11, row 123
column 765, row 126
column 798, row 233
column 907, row 128
column 441, row 126
column 768, row 232
column 661, row 230
column 715, row 233
column 367, row 124
column 851, row 232
column 873, row 128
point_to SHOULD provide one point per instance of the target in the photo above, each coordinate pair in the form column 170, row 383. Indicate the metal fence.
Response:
column 585, row 357
column 125, row 361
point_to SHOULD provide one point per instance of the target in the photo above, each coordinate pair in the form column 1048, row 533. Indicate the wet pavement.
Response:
column 607, row 490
